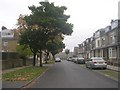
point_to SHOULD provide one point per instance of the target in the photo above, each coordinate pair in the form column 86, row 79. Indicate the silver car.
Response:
column 80, row 60
column 96, row 62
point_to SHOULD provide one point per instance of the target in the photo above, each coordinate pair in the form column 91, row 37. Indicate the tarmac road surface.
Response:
column 67, row 74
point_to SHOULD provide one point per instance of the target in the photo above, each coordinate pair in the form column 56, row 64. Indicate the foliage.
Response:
column 41, row 28
column 23, row 51
column 54, row 47
column 50, row 17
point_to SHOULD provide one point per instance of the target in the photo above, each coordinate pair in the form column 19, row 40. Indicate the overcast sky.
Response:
column 87, row 15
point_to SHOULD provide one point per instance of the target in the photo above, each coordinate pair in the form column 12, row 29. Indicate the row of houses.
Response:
column 104, row 43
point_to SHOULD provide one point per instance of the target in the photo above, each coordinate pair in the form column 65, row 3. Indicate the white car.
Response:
column 69, row 59
column 96, row 62
column 74, row 59
column 57, row 59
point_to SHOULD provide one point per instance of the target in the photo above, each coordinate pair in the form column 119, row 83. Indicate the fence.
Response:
column 12, row 60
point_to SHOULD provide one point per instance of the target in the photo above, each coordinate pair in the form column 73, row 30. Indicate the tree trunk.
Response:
column 41, row 58
column 46, row 58
column 34, row 59
column 53, row 57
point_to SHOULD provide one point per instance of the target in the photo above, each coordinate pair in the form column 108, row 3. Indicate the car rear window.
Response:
column 98, row 59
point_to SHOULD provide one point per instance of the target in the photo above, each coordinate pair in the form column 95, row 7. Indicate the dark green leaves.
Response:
column 44, row 24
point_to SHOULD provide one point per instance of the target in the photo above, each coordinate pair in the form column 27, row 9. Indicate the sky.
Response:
column 87, row 16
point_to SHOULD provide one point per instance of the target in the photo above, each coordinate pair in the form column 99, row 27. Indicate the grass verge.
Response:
column 50, row 62
column 109, row 73
column 25, row 74
column 82, row 65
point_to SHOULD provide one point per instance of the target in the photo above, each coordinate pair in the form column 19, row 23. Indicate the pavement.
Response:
column 19, row 84
column 13, row 84
column 113, row 68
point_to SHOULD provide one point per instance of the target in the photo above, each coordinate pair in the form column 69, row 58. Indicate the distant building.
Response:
column 61, row 55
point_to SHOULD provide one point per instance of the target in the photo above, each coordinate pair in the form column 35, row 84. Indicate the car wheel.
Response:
column 76, row 62
column 90, row 67
column 104, row 68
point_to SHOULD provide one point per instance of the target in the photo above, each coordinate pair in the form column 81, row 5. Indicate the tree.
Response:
column 21, row 23
column 55, row 48
column 43, row 24
column 49, row 16
column 67, row 51
column 30, row 39
column 27, row 36
column 56, row 45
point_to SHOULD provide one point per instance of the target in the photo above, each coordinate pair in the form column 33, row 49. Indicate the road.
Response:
column 67, row 74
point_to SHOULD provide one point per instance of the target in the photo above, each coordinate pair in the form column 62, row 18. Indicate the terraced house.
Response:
column 104, row 43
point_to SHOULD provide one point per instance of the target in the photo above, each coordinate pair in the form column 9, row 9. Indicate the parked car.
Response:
column 80, row 60
column 96, row 62
column 74, row 59
column 57, row 59
column 69, row 59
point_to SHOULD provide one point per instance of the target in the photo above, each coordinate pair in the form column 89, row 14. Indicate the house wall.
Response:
column 10, row 45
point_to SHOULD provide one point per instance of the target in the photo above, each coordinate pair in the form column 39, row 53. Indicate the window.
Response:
column 98, row 43
column 111, row 38
column 112, row 52
column 114, row 39
column 9, row 34
column 103, row 41
column 5, row 43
